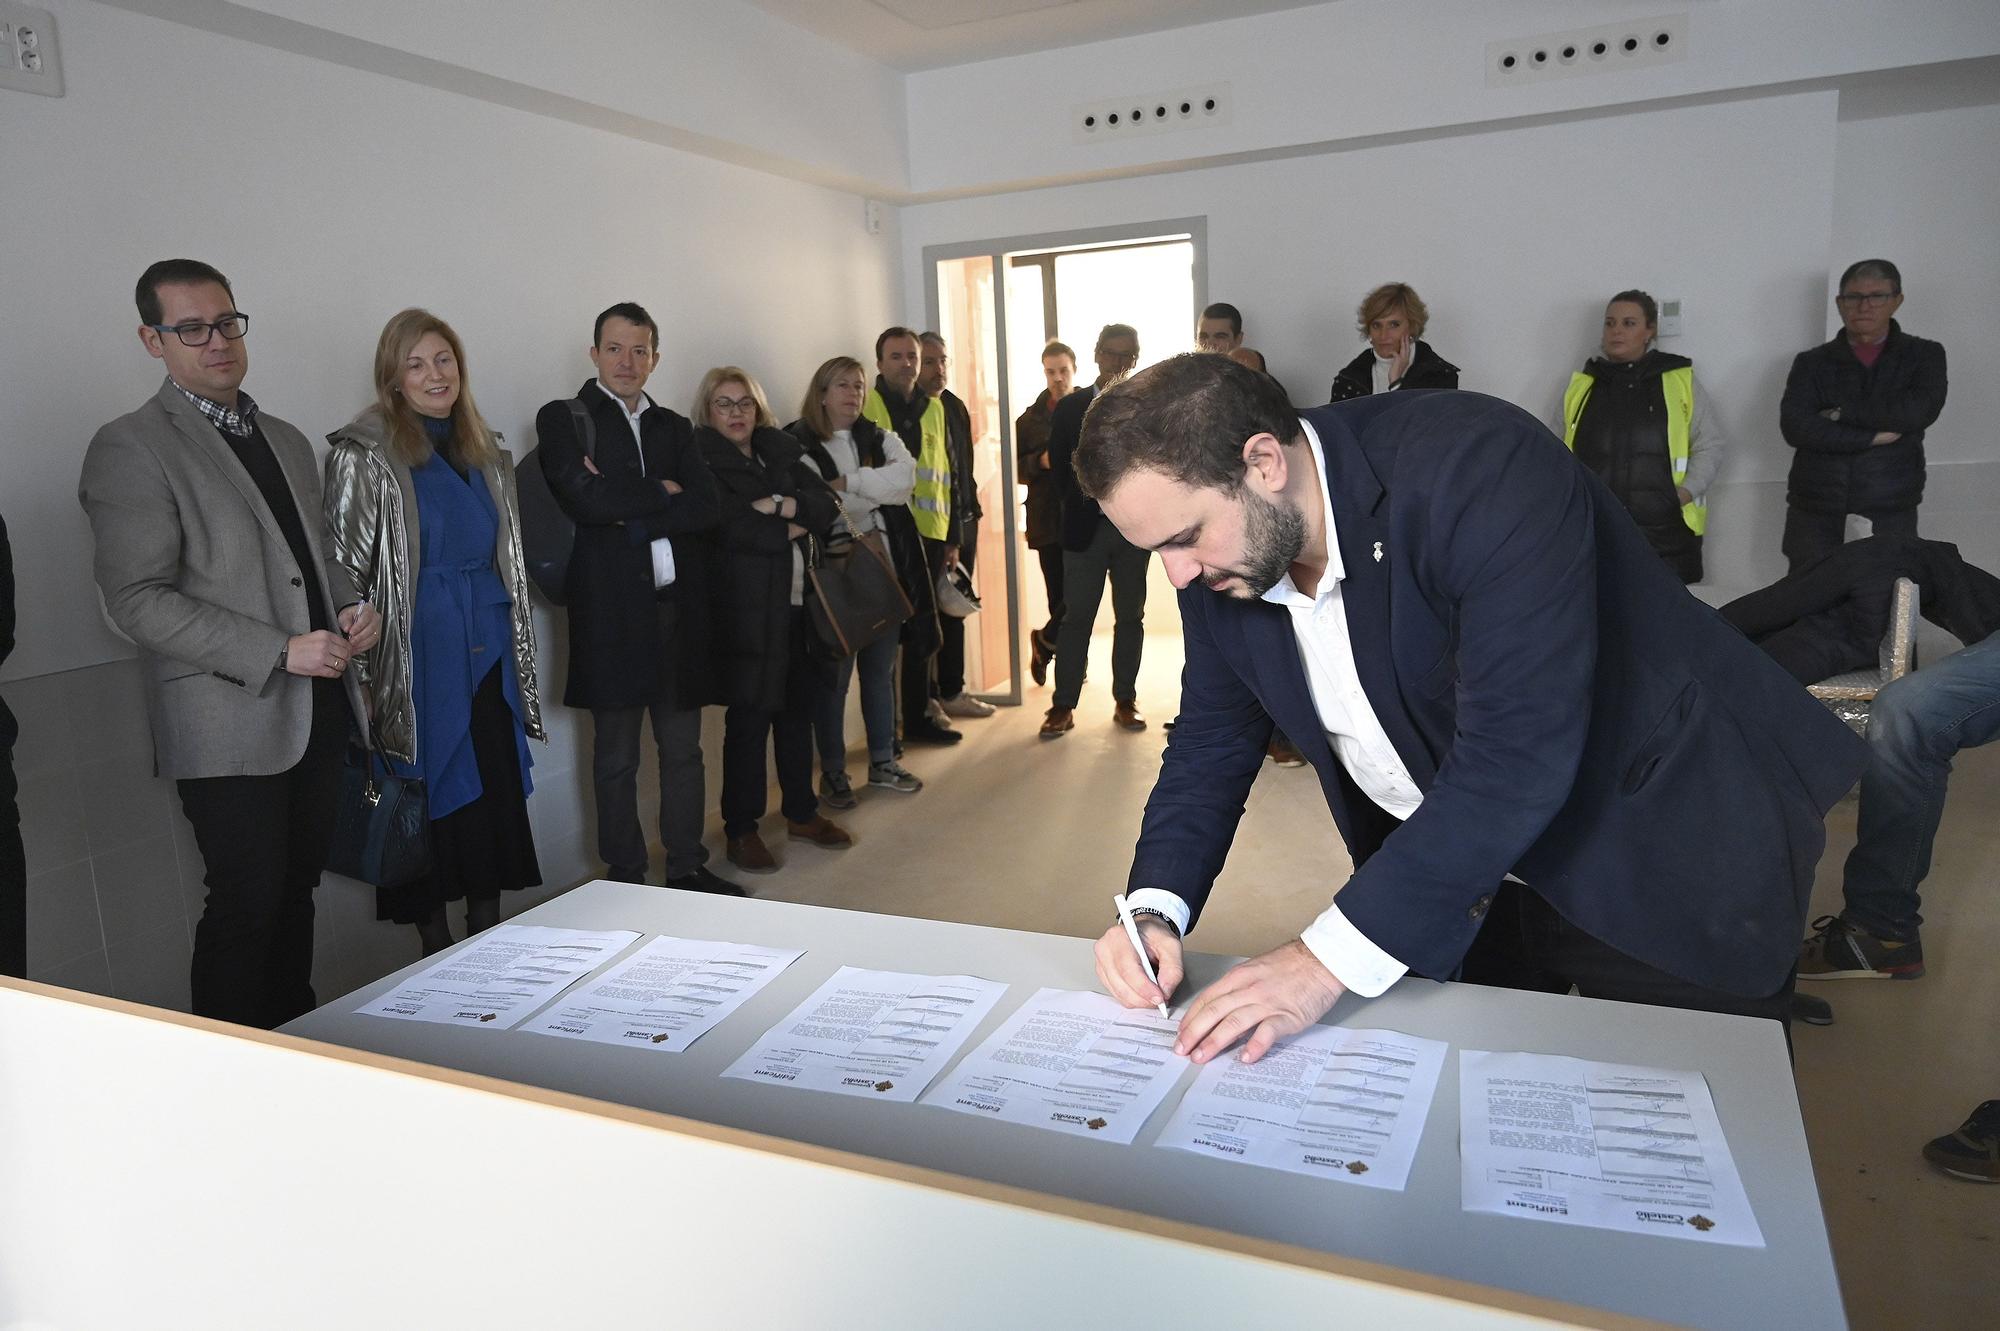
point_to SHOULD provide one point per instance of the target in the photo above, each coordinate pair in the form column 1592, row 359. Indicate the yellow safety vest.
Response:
column 1678, row 386
column 930, row 498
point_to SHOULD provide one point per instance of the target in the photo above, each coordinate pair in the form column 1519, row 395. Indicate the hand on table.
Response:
column 1266, row 998
column 1118, row 965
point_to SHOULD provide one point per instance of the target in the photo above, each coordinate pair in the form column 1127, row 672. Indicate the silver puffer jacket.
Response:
column 371, row 510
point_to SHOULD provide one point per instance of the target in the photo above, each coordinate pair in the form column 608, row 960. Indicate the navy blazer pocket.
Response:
column 1667, row 735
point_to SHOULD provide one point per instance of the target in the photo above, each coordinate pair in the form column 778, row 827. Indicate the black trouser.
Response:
column 1811, row 536
column 1108, row 557
column 745, row 789
column 614, row 773
column 263, row 842
column 13, row 874
column 915, row 688
column 1052, row 579
column 950, row 680
column 1525, row 944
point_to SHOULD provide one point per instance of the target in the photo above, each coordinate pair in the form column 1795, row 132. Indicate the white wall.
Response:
column 332, row 198
column 1515, row 238
column 1333, row 72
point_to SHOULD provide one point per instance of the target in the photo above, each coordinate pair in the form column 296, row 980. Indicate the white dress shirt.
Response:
column 1319, row 625
column 663, row 548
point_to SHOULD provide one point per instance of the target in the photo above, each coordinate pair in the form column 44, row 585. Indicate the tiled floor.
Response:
column 1026, row 834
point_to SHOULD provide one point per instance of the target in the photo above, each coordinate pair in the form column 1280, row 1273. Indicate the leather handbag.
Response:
column 382, row 827
column 857, row 597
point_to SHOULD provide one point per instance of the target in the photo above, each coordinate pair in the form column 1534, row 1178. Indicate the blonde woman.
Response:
column 772, row 499
column 420, row 500
column 1392, row 318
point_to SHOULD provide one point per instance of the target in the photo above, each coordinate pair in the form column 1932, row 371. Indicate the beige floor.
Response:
column 1040, row 836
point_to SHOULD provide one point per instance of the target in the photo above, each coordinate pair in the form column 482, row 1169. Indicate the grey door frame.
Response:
column 1195, row 228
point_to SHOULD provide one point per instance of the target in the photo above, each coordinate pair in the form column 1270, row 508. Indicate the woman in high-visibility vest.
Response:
column 1636, row 416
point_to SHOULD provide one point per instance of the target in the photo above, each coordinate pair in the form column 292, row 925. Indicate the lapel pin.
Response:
column 1378, row 552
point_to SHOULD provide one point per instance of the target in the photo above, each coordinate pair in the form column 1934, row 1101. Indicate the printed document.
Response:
column 872, row 1033
column 1330, row 1102
column 665, row 996
column 1072, row 1062
column 1607, row 1145
column 501, row 976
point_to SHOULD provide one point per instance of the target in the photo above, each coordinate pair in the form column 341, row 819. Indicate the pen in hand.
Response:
column 1132, row 932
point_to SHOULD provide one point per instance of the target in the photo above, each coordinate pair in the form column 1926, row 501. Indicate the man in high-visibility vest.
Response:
column 948, row 695
column 896, row 403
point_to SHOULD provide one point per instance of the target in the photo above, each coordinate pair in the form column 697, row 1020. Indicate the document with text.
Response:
column 1607, row 1145
column 501, row 976
column 1330, row 1102
column 665, row 996
column 1072, row 1062
column 871, row 1033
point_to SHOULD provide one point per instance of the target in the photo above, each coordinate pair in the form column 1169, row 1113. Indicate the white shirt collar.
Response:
column 645, row 400
column 1287, row 592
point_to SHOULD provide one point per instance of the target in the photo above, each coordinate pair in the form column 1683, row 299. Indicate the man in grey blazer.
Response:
column 212, row 557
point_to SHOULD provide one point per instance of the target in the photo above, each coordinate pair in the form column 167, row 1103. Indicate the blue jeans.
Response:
column 1914, row 728
column 878, row 706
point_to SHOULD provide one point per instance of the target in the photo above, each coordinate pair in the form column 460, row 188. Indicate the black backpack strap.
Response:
column 586, row 433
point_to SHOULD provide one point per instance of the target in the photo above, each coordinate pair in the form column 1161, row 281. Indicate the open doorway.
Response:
column 998, row 303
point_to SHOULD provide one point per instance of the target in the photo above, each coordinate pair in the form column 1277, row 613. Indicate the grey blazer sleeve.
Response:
column 136, row 524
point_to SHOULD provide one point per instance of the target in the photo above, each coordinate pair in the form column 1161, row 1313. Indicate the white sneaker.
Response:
column 967, row 705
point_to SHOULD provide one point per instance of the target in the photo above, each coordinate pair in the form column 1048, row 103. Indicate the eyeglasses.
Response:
column 196, row 334
column 729, row 406
column 1117, row 357
column 1855, row 300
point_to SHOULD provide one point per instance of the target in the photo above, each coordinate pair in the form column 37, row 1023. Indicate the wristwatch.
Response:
column 1165, row 918
column 284, row 654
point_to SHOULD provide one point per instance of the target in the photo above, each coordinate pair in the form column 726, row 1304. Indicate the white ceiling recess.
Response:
column 932, row 34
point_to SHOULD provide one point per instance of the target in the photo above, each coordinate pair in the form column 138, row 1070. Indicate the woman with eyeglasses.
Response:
column 874, row 475
column 1392, row 319
column 1856, row 409
column 1637, row 417
column 773, row 500
column 420, row 499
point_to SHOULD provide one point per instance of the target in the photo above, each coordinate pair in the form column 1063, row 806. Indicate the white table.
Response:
column 1790, row 1282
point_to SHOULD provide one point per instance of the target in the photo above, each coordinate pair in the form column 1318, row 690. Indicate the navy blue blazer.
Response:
column 1571, row 713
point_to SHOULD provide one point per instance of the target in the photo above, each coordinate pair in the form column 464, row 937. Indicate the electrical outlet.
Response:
column 1670, row 316
column 29, row 60
column 1605, row 49
column 1150, row 113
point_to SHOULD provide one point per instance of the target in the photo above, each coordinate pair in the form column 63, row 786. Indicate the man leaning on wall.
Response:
column 212, row 556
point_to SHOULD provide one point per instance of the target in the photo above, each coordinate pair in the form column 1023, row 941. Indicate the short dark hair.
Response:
column 889, row 333
column 1187, row 418
column 1879, row 268
column 173, row 273
column 1647, row 305
column 632, row 313
column 1055, row 348
column 928, row 338
column 1224, row 310
column 1109, row 331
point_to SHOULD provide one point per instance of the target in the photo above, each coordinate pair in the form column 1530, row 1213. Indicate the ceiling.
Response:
column 929, row 34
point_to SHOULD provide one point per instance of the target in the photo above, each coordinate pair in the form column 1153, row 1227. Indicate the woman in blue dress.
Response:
column 420, row 501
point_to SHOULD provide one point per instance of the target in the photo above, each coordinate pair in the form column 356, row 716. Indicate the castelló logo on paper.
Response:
column 1095, row 1124
column 1701, row 1222
column 1356, row 1167
column 663, row 1037
column 489, row 1016
column 885, row 1086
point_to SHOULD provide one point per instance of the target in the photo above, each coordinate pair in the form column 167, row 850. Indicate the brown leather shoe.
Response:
column 751, row 855
column 1126, row 716
column 821, row 831
column 1058, row 721
column 1285, row 753
column 1039, row 658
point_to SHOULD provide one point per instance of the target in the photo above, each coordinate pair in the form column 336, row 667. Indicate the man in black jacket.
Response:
column 1044, row 507
column 13, row 865
column 643, row 501
column 1094, row 553
column 1856, row 410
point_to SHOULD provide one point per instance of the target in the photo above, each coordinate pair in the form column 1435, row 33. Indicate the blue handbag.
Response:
column 382, row 827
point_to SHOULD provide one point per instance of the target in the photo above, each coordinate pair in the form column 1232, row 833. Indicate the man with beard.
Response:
column 1551, row 766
